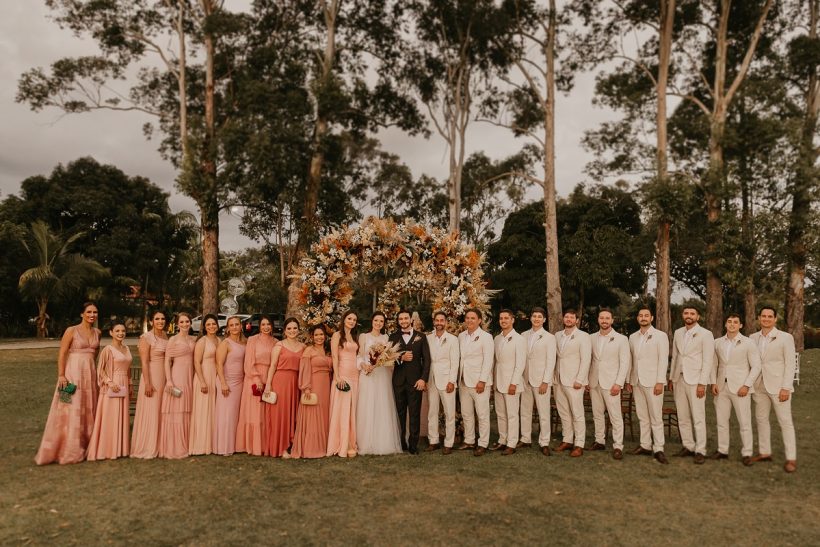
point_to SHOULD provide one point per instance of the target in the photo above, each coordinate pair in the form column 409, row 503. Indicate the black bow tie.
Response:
column 407, row 332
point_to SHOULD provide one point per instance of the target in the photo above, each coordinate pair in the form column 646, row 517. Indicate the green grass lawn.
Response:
column 401, row 499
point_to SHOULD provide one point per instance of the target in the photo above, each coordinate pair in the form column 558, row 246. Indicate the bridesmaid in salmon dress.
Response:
column 69, row 425
column 251, row 433
column 343, row 350
column 145, row 436
column 175, row 417
column 230, row 358
column 283, row 379
column 200, row 439
column 313, row 421
column 110, row 439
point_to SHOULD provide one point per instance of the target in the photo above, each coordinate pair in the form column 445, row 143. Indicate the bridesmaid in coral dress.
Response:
column 230, row 358
column 251, row 434
column 343, row 350
column 283, row 379
column 110, row 439
column 71, row 417
column 145, row 436
column 313, row 421
column 200, row 439
column 175, row 416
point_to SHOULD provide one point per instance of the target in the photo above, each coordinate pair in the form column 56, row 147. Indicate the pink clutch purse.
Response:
column 121, row 393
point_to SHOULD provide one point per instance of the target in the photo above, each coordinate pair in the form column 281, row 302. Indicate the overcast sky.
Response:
column 34, row 143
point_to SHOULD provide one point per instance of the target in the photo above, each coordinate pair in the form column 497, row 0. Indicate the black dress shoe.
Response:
column 684, row 453
column 598, row 446
column 699, row 458
column 719, row 456
column 641, row 451
column 413, row 450
column 661, row 457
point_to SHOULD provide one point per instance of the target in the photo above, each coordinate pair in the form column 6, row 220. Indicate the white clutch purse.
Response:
column 310, row 400
column 176, row 392
column 269, row 397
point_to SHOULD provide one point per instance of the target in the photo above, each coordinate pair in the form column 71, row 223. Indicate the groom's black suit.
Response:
column 405, row 376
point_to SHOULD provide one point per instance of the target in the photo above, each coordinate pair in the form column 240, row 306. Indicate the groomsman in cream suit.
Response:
column 693, row 355
column 510, row 358
column 647, row 378
column 475, row 381
column 738, row 367
column 774, row 388
column 539, row 372
column 571, row 375
column 441, row 389
column 607, row 375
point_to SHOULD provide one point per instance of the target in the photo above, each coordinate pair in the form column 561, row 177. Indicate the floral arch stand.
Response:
column 422, row 260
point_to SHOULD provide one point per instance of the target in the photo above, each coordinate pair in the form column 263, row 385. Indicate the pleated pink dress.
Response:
column 313, row 421
column 145, row 435
column 69, row 425
column 175, row 416
column 342, row 435
column 200, row 439
column 280, row 419
column 110, row 438
column 226, row 412
column 251, row 434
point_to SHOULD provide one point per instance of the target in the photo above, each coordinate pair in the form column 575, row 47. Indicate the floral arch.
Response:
column 430, row 261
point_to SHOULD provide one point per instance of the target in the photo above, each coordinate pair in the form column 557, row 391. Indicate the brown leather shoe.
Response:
column 447, row 450
column 522, row 444
column 563, row 446
column 762, row 458
column 465, row 446
column 661, row 457
column 719, row 456
column 790, row 466
column 598, row 446
column 432, row 447
column 617, row 454
column 641, row 451
column 699, row 458
column 747, row 461
column 684, row 453
column 497, row 446
column 545, row 450
column 508, row 451
column 577, row 452
column 479, row 451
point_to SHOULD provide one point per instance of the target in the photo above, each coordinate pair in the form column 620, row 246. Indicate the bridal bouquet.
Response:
column 383, row 354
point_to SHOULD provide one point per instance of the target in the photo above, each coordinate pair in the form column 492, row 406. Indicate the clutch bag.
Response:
column 256, row 391
column 66, row 392
column 345, row 387
column 120, row 393
column 270, row 397
column 176, row 392
column 310, row 400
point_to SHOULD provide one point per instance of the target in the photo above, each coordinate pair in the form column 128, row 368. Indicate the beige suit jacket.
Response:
column 540, row 365
column 696, row 360
column 778, row 361
column 443, row 359
column 573, row 358
column 476, row 357
column 743, row 366
column 611, row 364
column 510, row 358
column 650, row 361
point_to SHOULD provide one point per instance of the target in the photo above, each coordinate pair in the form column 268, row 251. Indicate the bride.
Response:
column 377, row 424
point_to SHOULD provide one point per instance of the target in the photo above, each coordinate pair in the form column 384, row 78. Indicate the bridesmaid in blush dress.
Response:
column 110, row 439
column 343, row 349
column 200, row 439
column 145, row 436
column 175, row 418
column 313, row 421
column 71, row 417
column 230, row 358
column 283, row 379
column 251, row 434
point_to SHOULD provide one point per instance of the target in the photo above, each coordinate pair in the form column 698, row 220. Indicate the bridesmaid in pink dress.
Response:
column 283, row 379
column 230, row 358
column 145, row 436
column 175, row 417
column 69, row 425
column 200, row 440
column 251, row 434
column 313, row 421
column 110, row 439
column 343, row 350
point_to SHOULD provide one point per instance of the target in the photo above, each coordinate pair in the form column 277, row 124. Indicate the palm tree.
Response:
column 57, row 272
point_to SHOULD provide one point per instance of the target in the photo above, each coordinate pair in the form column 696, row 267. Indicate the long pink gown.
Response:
column 200, row 439
column 69, row 425
column 342, row 437
column 251, row 434
column 175, row 416
column 280, row 419
column 110, row 439
column 313, row 421
column 145, row 436
column 226, row 412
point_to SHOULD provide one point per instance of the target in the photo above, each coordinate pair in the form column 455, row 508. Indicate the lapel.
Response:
column 772, row 340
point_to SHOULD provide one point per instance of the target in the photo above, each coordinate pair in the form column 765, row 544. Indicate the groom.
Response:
column 408, row 377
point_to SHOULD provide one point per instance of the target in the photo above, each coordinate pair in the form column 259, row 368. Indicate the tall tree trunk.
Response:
column 182, row 82
column 42, row 317
column 749, row 250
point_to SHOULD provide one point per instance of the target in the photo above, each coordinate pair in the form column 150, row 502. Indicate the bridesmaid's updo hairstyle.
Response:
column 379, row 314
column 354, row 332
column 115, row 323
column 184, row 314
column 87, row 304
column 156, row 312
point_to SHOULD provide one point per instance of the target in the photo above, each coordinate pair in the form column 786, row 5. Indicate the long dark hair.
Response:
column 377, row 314
column 354, row 332
column 321, row 327
column 202, row 331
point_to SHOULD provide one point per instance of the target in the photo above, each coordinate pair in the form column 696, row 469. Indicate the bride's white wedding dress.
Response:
column 377, row 423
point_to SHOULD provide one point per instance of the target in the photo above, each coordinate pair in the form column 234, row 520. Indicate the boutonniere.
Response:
column 774, row 338
column 611, row 338
column 443, row 341
column 416, row 339
column 540, row 336
column 509, row 338
column 475, row 339
column 649, row 337
column 572, row 337
column 737, row 342
column 694, row 334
